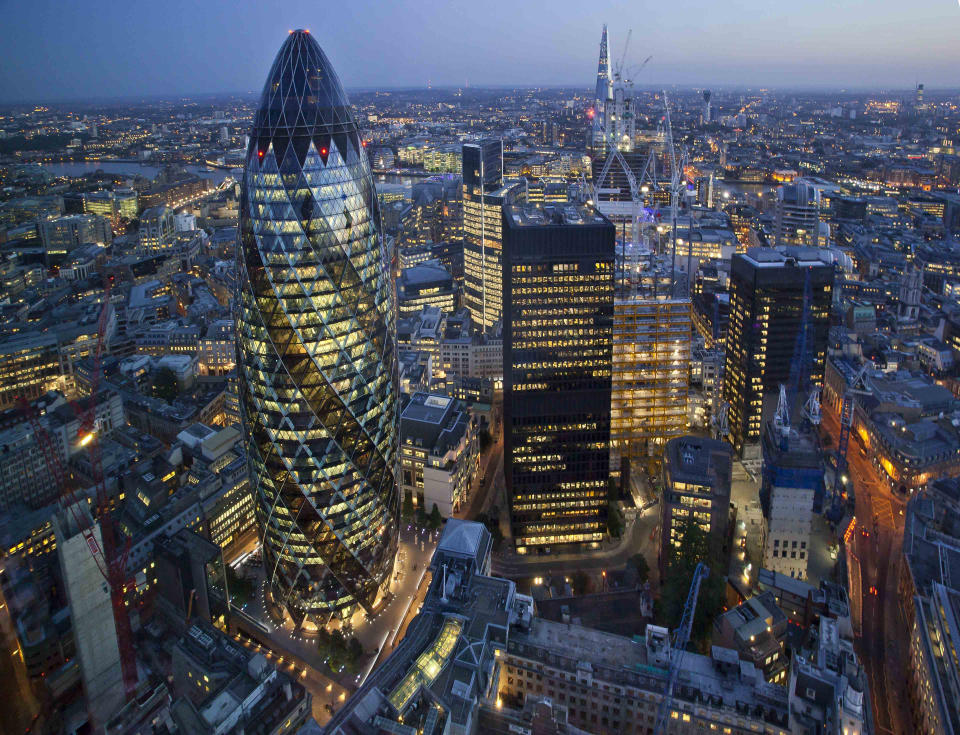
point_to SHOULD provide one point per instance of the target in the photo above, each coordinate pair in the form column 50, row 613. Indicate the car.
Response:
column 873, row 590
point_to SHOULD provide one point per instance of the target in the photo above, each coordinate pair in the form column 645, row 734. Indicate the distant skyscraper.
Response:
column 315, row 343
column 707, row 115
column 483, row 200
column 766, row 309
column 557, row 343
column 603, row 100
column 797, row 215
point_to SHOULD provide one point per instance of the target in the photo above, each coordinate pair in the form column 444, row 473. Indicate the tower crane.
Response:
column 113, row 550
column 857, row 387
column 681, row 637
column 676, row 183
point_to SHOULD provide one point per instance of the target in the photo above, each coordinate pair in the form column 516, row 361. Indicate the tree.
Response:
column 694, row 548
column 355, row 648
column 582, row 583
column 613, row 491
column 241, row 589
column 485, row 439
column 614, row 521
column 165, row 384
column 639, row 562
column 435, row 520
column 408, row 510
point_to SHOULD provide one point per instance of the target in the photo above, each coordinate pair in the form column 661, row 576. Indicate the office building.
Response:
column 651, row 376
column 315, row 346
column 30, row 365
column 929, row 593
column 426, row 284
column 477, row 659
column 797, row 215
column 157, row 230
column 25, row 478
column 62, row 235
column 217, row 352
column 767, row 288
column 484, row 197
column 438, row 452
column 558, row 288
column 696, row 489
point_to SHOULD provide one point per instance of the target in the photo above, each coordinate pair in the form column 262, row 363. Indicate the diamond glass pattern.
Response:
column 316, row 358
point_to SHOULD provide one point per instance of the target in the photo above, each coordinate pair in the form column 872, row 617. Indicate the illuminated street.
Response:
column 883, row 641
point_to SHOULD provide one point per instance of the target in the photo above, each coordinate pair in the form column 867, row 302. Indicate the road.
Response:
column 877, row 547
column 19, row 707
column 285, row 646
column 491, row 468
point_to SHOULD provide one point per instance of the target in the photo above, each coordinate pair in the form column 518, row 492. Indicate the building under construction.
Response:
column 651, row 374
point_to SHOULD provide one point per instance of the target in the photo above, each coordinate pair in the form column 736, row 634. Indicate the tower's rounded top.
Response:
column 303, row 100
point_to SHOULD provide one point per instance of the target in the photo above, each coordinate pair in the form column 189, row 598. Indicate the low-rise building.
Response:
column 696, row 489
column 477, row 653
column 439, row 452
column 755, row 629
column 222, row 688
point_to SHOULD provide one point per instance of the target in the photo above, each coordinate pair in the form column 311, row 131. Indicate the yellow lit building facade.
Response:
column 651, row 378
column 483, row 201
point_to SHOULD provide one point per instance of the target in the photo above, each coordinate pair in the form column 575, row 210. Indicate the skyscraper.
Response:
column 315, row 343
column 558, row 294
column 767, row 288
column 603, row 101
column 483, row 200
column 651, row 375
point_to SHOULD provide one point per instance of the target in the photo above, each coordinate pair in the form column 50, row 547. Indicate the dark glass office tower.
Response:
column 766, row 309
column 316, row 354
column 483, row 200
column 558, row 287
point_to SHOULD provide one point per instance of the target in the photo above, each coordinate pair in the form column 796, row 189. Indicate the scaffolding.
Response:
column 651, row 372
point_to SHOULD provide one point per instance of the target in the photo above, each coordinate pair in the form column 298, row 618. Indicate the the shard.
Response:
column 316, row 353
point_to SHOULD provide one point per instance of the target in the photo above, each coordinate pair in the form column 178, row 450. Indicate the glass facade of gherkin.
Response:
column 316, row 359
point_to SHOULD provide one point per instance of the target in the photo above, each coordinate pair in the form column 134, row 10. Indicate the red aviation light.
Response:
column 260, row 153
column 591, row 113
column 324, row 151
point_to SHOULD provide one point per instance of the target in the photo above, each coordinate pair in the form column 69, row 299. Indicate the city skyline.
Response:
column 626, row 408
column 409, row 47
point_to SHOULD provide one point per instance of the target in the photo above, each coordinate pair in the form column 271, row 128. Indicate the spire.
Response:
column 604, row 80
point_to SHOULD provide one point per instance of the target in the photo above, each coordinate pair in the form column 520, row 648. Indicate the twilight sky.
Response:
column 67, row 49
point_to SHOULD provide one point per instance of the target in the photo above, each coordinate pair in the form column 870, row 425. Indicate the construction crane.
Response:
column 857, row 387
column 681, row 637
column 676, row 182
column 112, row 552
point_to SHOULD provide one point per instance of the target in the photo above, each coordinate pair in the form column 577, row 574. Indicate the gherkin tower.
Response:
column 316, row 353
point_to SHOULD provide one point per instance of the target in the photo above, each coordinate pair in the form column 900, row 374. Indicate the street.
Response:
column 19, row 707
column 297, row 652
column 876, row 548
